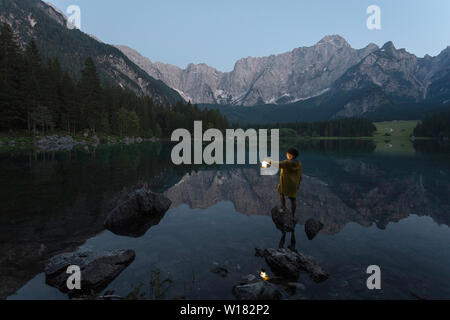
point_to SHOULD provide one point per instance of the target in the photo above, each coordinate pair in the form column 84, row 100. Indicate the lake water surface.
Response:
column 378, row 208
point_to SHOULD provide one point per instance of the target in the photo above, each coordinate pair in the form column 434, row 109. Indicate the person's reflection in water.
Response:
column 286, row 224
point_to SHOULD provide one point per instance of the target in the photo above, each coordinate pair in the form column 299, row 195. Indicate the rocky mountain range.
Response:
column 391, row 76
column 43, row 22
column 289, row 77
column 328, row 80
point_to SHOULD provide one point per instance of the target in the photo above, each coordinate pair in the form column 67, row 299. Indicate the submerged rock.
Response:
column 289, row 264
column 312, row 228
column 220, row 271
column 97, row 269
column 261, row 290
column 297, row 285
column 248, row 278
column 140, row 210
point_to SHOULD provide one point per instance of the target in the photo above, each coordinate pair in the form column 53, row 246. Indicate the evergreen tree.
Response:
column 434, row 126
column 12, row 72
column 90, row 95
column 33, row 81
column 53, row 86
column 70, row 108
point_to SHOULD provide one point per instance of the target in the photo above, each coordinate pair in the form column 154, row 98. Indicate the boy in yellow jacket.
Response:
column 290, row 179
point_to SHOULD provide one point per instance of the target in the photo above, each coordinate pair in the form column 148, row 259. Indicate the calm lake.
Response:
column 378, row 208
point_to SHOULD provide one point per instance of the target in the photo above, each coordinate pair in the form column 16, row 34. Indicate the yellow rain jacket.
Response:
column 290, row 178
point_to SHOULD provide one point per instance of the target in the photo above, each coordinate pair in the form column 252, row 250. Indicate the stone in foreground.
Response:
column 141, row 210
column 97, row 269
column 261, row 290
column 289, row 264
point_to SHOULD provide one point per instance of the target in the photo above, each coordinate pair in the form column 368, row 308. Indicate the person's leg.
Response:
column 293, row 206
column 282, row 240
column 283, row 202
column 293, row 242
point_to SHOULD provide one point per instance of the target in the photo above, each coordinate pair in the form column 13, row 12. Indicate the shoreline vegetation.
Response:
column 399, row 132
column 64, row 141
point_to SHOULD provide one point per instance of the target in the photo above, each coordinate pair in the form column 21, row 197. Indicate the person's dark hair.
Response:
column 294, row 152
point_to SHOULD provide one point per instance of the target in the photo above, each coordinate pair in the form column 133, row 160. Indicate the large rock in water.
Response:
column 141, row 210
column 289, row 264
column 97, row 269
column 261, row 290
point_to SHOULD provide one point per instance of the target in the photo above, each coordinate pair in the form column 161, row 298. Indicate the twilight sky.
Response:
column 219, row 32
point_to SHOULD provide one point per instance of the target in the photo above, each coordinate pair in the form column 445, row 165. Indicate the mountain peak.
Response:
column 372, row 46
column 389, row 46
column 444, row 54
column 335, row 39
column 446, row 50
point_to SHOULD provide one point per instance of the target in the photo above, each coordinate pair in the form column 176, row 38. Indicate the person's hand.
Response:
column 266, row 163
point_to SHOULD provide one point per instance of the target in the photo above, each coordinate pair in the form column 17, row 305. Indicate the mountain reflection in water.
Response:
column 378, row 199
column 57, row 202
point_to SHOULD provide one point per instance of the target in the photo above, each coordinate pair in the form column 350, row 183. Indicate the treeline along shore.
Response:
column 347, row 127
column 435, row 126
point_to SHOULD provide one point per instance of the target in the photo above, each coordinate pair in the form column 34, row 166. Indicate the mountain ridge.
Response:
column 247, row 84
column 372, row 81
column 47, row 25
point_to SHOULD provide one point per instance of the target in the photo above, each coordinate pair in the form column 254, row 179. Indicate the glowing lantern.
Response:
column 264, row 276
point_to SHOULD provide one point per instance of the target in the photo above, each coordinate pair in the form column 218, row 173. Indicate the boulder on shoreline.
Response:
column 96, row 141
column 98, row 270
column 55, row 143
column 132, row 140
column 289, row 264
column 141, row 210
